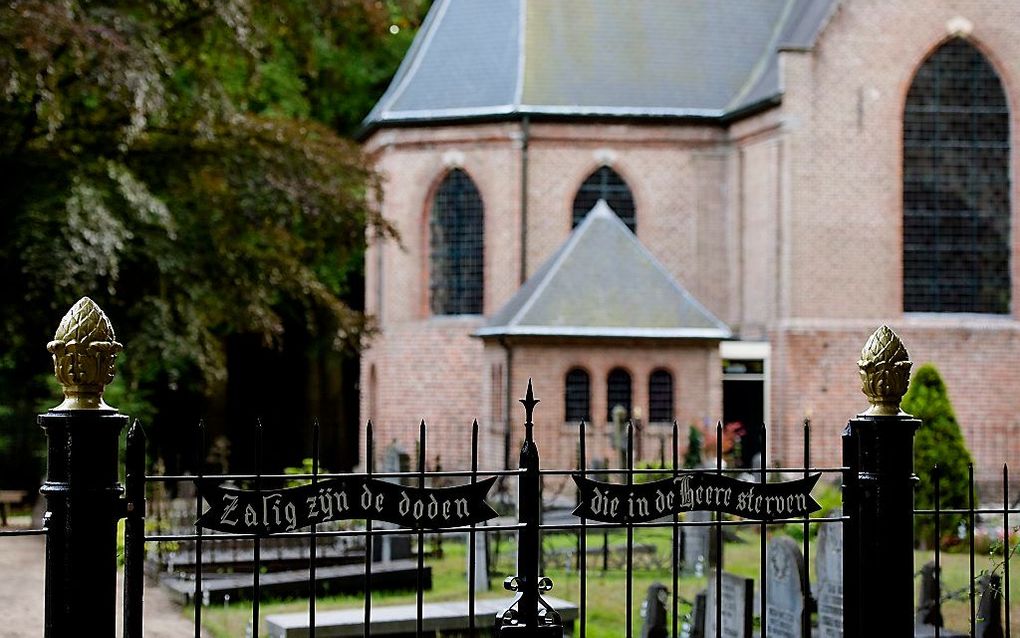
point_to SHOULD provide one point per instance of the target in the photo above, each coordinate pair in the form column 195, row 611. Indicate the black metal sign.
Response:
column 642, row 502
column 284, row 510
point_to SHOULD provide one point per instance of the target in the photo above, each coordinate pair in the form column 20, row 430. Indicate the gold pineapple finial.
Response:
column 84, row 350
column 885, row 372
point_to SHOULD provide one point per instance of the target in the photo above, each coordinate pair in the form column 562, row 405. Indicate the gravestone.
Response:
column 737, row 609
column 785, row 597
column 481, row 566
column 829, row 569
column 389, row 548
column 989, row 619
column 929, row 612
column 698, row 542
column 697, row 627
column 653, row 612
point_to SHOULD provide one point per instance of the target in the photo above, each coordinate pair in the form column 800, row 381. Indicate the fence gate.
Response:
column 85, row 502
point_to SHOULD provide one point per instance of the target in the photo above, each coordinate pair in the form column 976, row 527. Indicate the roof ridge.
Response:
column 687, row 318
column 413, row 59
column 559, row 258
column 522, row 53
column 686, row 294
column 771, row 48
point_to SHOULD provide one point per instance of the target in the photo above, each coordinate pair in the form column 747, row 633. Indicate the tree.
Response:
column 939, row 441
column 695, row 445
column 179, row 161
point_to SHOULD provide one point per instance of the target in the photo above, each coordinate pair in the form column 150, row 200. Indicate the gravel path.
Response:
column 22, row 588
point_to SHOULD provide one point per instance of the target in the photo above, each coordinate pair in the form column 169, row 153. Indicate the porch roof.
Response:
column 603, row 282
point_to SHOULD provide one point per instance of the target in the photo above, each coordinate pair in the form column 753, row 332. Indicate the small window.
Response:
column 605, row 183
column 660, row 396
column 618, row 391
column 456, row 247
column 577, row 396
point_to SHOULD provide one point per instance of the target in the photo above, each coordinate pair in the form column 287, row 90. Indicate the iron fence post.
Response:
column 878, row 497
column 81, row 489
column 529, row 615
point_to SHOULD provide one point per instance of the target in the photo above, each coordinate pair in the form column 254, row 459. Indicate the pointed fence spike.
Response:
column 529, row 401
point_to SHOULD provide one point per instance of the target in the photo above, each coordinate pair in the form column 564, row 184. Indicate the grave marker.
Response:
column 785, row 598
column 829, row 568
column 737, row 614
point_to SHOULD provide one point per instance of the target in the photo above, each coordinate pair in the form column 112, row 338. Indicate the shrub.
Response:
column 939, row 441
column 695, row 445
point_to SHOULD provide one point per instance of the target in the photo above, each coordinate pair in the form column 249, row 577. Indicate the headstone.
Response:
column 737, row 609
column 929, row 611
column 395, row 459
column 389, row 547
column 785, row 597
column 989, row 620
column 829, row 569
column 481, row 571
column 697, row 548
column 653, row 611
column 696, row 628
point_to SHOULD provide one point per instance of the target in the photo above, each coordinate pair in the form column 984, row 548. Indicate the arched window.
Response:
column 617, row 391
column 956, row 204
column 577, row 396
column 605, row 183
column 456, row 227
column 660, row 396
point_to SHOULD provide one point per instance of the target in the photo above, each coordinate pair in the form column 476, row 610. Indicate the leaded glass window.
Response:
column 618, row 391
column 605, row 183
column 660, row 396
column 456, row 255
column 956, row 202
column 577, row 395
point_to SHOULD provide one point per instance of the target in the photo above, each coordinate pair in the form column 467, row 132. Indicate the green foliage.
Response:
column 939, row 442
column 179, row 161
column 651, row 477
column 695, row 447
column 305, row 468
column 830, row 497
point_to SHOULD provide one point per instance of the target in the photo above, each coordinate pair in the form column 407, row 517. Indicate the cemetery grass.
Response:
column 606, row 606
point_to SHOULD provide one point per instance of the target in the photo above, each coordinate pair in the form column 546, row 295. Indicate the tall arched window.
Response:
column 456, row 228
column 605, row 183
column 617, row 391
column 956, row 203
column 577, row 396
column 660, row 396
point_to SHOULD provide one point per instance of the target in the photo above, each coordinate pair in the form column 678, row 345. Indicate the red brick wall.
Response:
column 787, row 225
column 697, row 390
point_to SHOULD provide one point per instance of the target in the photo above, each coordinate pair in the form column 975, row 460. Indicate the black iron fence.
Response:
column 300, row 520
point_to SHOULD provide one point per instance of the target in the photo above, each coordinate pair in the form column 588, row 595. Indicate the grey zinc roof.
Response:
column 637, row 58
column 603, row 282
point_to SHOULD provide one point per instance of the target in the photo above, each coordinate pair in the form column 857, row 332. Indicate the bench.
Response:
column 8, row 498
column 393, row 575
column 438, row 619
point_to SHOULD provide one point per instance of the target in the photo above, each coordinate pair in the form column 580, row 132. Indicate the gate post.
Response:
column 878, row 497
column 524, row 617
column 81, row 488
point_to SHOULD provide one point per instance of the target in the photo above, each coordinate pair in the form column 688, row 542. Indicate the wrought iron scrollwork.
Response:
column 529, row 614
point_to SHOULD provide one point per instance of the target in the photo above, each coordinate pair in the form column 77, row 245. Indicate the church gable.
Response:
column 604, row 283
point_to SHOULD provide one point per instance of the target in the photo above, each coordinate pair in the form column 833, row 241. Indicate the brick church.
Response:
column 696, row 210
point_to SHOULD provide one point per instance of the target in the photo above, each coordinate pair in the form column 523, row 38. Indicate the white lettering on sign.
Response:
column 231, row 506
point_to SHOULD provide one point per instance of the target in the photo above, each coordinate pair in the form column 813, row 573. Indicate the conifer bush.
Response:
column 939, row 441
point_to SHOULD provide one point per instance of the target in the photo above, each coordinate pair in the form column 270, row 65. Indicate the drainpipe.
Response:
column 508, row 403
column 525, row 138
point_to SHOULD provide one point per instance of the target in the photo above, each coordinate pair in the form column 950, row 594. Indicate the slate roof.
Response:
column 603, row 58
column 603, row 282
